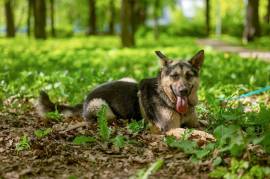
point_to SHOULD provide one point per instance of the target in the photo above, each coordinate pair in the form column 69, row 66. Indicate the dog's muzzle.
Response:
column 181, row 95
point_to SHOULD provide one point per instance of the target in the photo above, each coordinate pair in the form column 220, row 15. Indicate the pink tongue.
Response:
column 181, row 104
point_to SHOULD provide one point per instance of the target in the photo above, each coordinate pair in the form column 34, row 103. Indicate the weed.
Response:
column 55, row 115
column 78, row 140
column 154, row 167
column 40, row 133
column 119, row 141
column 190, row 147
column 23, row 144
column 103, row 128
column 240, row 169
column 136, row 126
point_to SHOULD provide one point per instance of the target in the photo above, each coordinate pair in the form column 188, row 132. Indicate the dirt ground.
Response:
column 55, row 156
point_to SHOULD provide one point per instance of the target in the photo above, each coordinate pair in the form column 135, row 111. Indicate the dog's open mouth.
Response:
column 181, row 104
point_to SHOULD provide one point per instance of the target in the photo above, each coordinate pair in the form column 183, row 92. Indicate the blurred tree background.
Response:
column 246, row 19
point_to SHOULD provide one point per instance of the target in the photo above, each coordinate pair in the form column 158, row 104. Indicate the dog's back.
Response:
column 120, row 98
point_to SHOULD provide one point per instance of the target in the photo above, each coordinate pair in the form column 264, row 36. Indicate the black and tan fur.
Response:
column 157, row 96
column 153, row 99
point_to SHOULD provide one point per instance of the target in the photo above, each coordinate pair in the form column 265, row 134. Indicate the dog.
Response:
column 167, row 101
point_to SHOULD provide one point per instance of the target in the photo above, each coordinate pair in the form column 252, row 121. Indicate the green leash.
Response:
column 251, row 93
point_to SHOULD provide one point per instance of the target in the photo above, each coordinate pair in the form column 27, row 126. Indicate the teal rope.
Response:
column 251, row 93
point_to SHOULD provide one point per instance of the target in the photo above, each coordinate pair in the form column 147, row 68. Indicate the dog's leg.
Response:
column 191, row 120
column 91, row 109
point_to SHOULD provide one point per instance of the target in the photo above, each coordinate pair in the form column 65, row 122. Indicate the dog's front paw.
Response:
column 200, row 137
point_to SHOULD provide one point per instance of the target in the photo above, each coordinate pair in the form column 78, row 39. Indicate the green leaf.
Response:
column 119, row 141
column 103, row 128
column 136, row 126
column 23, row 143
column 200, row 154
column 152, row 169
column 42, row 132
column 217, row 161
column 83, row 140
column 219, row 172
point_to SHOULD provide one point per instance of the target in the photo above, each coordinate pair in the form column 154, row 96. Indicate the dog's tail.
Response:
column 45, row 105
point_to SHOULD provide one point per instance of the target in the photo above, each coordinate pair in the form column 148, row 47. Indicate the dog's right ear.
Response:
column 164, row 60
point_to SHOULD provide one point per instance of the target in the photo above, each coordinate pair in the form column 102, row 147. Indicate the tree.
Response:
column 112, row 17
column 92, row 17
column 40, row 19
column 252, row 24
column 207, row 16
column 156, row 17
column 52, row 18
column 29, row 15
column 127, row 23
column 267, row 16
column 9, row 19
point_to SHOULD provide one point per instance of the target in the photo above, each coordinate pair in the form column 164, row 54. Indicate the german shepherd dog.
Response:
column 167, row 101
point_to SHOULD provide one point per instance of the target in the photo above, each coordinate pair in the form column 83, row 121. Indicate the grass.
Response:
column 69, row 68
column 261, row 43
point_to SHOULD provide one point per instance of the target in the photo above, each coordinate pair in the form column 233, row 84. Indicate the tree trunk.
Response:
column 92, row 18
column 10, row 32
column 142, row 12
column 29, row 15
column 52, row 18
column 207, row 16
column 156, row 16
column 127, row 31
column 267, row 16
column 112, row 17
column 252, row 24
column 40, row 19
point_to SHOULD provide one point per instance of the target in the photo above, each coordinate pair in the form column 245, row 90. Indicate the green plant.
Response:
column 154, row 167
column 240, row 169
column 23, row 144
column 136, row 126
column 55, row 115
column 103, row 128
column 78, row 140
column 42, row 132
column 119, row 141
column 190, row 147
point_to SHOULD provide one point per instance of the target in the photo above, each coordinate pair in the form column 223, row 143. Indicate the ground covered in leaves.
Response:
column 58, row 155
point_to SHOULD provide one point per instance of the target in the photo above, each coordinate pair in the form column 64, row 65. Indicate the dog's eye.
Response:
column 174, row 76
column 189, row 76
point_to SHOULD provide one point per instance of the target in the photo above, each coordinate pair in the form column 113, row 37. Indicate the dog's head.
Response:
column 179, row 80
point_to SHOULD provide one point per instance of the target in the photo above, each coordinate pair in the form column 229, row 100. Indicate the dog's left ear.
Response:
column 197, row 60
column 164, row 60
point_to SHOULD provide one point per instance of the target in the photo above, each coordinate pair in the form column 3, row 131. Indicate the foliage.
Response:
column 136, row 126
column 103, row 128
column 83, row 139
column 190, row 147
column 55, row 115
column 23, row 144
column 119, row 141
column 154, row 167
column 40, row 133
column 240, row 169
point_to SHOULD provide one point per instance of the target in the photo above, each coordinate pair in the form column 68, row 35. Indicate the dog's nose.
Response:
column 183, row 91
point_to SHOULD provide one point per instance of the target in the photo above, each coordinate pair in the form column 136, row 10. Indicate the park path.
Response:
column 241, row 51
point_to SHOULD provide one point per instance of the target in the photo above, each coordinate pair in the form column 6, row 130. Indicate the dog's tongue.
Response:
column 181, row 104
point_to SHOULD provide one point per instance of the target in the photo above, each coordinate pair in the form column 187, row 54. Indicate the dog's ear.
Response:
column 164, row 60
column 197, row 60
